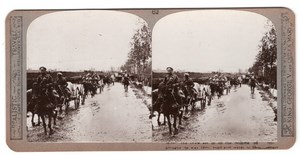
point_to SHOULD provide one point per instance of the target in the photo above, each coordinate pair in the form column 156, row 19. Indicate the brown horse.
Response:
column 157, row 105
column 31, row 104
column 252, row 85
column 46, row 107
column 171, row 107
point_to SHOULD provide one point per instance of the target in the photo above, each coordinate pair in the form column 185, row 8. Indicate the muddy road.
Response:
column 237, row 117
column 112, row 116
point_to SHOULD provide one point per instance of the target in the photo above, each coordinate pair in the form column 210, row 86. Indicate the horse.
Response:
column 31, row 103
column 204, row 94
column 107, row 80
column 234, row 82
column 220, row 89
column 185, row 96
column 81, row 92
column 170, row 108
column 89, row 87
column 46, row 107
column 126, row 83
column 74, row 95
column 157, row 105
column 227, row 87
column 252, row 85
column 100, row 85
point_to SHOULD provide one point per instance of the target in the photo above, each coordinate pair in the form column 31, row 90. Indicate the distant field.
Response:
column 197, row 77
column 73, row 77
column 70, row 76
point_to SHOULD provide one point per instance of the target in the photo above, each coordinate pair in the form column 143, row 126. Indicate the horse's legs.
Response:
column 174, row 124
column 44, row 124
column 54, row 117
column 186, row 109
column 39, row 120
column 252, row 89
column 60, row 105
column 66, row 105
column 49, row 123
column 169, row 124
column 185, row 105
column 32, row 119
column 158, row 121
column 180, row 117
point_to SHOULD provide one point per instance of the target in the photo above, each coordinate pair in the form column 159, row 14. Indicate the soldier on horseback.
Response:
column 47, row 98
column 188, row 82
column 94, row 78
column 88, row 85
column 189, row 85
column 126, row 80
column 172, row 80
column 62, row 88
column 45, row 84
column 172, row 84
column 172, row 99
column 252, row 84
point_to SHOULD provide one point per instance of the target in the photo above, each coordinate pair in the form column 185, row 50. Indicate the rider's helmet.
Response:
column 43, row 68
column 169, row 69
column 59, row 74
column 186, row 74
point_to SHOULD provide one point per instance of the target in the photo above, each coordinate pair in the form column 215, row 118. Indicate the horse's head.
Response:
column 34, row 89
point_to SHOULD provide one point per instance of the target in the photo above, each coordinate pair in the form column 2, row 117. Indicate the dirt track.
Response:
column 237, row 117
column 112, row 116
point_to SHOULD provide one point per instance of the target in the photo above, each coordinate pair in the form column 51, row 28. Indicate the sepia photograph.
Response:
column 214, row 77
column 88, row 77
column 150, row 79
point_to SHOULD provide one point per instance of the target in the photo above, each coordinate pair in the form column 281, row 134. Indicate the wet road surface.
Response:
column 237, row 117
column 112, row 116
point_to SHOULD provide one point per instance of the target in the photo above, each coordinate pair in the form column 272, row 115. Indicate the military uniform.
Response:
column 94, row 78
column 188, row 82
column 61, row 81
column 172, row 83
column 44, row 82
column 126, row 79
column 172, row 80
column 62, row 87
column 45, row 92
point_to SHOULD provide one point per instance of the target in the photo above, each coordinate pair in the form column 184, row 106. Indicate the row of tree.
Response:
column 265, row 65
column 139, row 59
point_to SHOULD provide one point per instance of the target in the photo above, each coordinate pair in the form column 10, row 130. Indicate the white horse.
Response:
column 203, row 92
column 75, row 91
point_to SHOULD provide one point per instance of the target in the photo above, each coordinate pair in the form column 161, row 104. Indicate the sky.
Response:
column 80, row 40
column 206, row 41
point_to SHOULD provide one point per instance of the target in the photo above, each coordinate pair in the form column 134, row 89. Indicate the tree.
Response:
column 141, row 48
column 139, row 57
column 265, row 64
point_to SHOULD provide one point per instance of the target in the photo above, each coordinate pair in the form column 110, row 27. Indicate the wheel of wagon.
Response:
column 77, row 99
column 82, row 98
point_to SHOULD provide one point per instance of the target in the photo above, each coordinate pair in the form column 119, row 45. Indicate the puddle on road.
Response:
column 107, row 117
column 234, row 117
